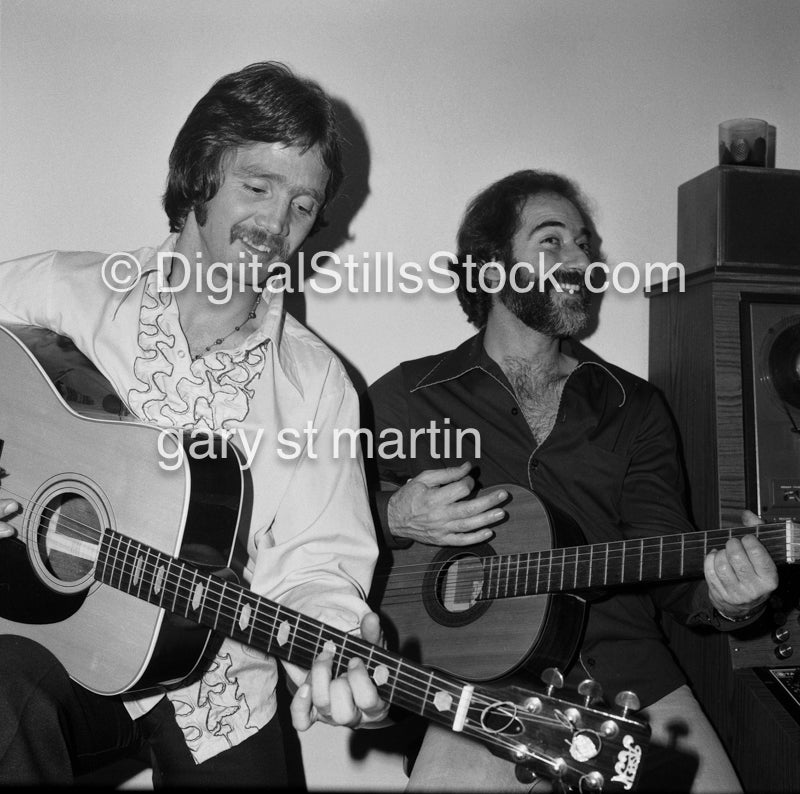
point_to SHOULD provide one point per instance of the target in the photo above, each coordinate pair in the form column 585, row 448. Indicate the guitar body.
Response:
column 76, row 477
column 426, row 596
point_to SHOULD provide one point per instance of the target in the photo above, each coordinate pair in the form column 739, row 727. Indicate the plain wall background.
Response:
column 624, row 96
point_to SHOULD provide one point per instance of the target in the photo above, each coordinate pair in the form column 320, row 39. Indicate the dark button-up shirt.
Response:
column 610, row 462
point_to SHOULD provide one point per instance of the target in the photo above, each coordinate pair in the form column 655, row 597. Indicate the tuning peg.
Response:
column 593, row 781
column 627, row 701
column 553, row 678
column 524, row 774
column 590, row 690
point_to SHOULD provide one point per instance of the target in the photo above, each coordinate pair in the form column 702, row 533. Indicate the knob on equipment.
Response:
column 781, row 634
column 784, row 651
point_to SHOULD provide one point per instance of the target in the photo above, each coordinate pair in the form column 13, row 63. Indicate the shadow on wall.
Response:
column 343, row 209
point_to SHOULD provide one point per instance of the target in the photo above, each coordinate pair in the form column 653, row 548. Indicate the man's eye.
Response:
column 552, row 240
column 255, row 189
column 304, row 209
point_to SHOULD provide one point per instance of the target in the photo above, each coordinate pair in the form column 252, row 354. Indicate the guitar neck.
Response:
column 662, row 558
column 235, row 611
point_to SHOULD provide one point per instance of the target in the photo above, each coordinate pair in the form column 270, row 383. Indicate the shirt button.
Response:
column 534, row 464
column 181, row 354
column 514, row 411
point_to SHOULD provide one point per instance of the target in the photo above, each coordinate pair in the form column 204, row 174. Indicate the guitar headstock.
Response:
column 581, row 747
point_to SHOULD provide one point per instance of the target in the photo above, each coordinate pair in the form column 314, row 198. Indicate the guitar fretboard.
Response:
column 622, row 562
column 227, row 607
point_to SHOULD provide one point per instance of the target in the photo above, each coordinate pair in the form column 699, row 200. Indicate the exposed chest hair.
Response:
column 538, row 390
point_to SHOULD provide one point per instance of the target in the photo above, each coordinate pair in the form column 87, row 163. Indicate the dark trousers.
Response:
column 52, row 729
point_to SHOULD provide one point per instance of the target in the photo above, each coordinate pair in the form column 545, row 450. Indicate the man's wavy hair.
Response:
column 262, row 103
column 490, row 222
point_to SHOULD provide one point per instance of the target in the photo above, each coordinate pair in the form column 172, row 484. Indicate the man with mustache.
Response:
column 191, row 336
column 592, row 440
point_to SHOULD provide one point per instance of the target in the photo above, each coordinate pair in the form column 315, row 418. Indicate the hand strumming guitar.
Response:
column 7, row 507
column 433, row 508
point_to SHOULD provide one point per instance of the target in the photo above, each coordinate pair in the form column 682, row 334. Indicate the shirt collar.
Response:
column 270, row 314
column 471, row 354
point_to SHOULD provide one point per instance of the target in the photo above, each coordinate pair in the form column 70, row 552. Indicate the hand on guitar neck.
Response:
column 741, row 576
column 433, row 508
column 351, row 699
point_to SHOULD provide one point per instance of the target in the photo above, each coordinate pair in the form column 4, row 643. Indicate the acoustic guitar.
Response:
column 488, row 610
column 101, row 575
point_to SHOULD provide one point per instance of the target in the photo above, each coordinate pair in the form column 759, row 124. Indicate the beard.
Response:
column 548, row 311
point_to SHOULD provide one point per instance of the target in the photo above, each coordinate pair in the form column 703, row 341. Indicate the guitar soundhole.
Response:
column 68, row 537
column 453, row 585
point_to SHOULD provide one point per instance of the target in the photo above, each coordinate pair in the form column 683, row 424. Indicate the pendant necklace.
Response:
column 219, row 341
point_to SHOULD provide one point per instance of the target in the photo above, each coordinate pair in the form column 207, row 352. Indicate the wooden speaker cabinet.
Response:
column 740, row 250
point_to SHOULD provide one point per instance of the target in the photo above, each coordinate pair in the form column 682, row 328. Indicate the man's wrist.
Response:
column 749, row 615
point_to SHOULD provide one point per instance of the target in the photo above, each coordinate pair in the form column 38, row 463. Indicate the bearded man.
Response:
column 594, row 442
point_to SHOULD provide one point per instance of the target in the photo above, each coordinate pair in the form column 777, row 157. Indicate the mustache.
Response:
column 277, row 245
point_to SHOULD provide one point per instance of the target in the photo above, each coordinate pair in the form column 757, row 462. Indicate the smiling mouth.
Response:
column 570, row 281
column 263, row 248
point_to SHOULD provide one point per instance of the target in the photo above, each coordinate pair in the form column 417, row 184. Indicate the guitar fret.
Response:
column 538, row 569
column 622, row 566
column 641, row 558
column 177, row 589
column 114, row 564
column 192, row 591
column 563, row 565
column 575, row 575
column 527, row 570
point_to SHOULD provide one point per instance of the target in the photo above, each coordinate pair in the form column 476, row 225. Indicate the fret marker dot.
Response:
column 329, row 647
column 137, row 570
column 442, row 701
column 381, row 675
column 283, row 633
column 244, row 617
column 197, row 597
column 159, row 579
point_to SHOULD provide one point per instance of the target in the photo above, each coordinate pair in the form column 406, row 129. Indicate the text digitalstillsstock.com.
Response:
column 378, row 272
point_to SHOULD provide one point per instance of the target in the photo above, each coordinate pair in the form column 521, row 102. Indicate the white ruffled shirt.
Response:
column 311, row 544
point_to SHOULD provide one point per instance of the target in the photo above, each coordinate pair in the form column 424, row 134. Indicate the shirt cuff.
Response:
column 381, row 503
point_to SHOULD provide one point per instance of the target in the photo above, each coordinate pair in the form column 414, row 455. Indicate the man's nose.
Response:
column 274, row 217
column 573, row 255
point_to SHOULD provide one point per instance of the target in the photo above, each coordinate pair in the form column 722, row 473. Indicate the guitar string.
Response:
column 315, row 637
column 473, row 727
column 650, row 549
column 550, row 565
column 303, row 634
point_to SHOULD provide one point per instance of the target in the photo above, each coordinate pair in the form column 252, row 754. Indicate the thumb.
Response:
column 750, row 519
column 371, row 629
